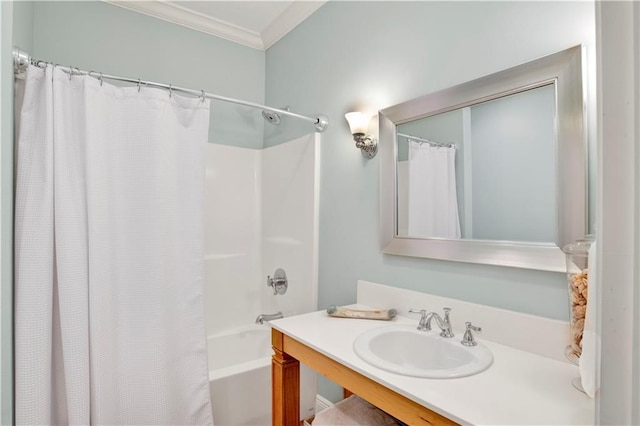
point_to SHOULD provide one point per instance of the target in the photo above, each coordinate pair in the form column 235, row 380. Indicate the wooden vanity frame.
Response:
column 285, row 395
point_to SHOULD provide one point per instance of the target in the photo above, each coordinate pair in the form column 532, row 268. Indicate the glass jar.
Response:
column 577, row 255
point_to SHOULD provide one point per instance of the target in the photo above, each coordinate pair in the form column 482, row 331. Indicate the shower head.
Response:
column 273, row 117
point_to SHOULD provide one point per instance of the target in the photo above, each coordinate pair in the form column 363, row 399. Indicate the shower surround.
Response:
column 261, row 213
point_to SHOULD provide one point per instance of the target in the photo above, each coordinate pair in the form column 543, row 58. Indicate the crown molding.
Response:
column 292, row 16
column 176, row 14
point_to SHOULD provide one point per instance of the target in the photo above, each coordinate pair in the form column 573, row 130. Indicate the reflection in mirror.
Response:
column 490, row 171
column 484, row 171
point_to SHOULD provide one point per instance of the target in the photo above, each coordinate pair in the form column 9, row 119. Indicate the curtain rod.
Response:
column 430, row 142
column 22, row 60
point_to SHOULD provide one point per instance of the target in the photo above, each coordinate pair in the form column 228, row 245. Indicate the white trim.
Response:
column 468, row 172
column 4, row 68
column 322, row 403
column 292, row 16
column 618, row 210
column 316, row 219
column 196, row 21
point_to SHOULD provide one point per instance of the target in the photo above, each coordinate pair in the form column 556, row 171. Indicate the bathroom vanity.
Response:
column 519, row 388
column 289, row 352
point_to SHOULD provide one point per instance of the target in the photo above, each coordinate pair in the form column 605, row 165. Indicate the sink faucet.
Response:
column 444, row 324
column 422, row 325
column 268, row 317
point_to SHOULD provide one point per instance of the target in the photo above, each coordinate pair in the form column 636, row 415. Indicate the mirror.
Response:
column 484, row 172
column 490, row 171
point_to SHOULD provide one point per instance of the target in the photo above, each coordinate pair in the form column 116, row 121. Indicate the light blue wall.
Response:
column 23, row 24
column 16, row 29
column 371, row 55
column 98, row 36
column 6, row 206
column 513, row 154
column 402, row 50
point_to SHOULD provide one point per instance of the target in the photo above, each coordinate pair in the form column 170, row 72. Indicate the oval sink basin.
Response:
column 404, row 350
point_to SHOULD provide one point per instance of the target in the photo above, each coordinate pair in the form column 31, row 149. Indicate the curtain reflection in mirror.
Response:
column 432, row 197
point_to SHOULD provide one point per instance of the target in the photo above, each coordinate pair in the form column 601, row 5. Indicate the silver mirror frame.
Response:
column 565, row 69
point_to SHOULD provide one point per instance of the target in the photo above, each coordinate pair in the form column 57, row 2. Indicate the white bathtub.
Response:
column 240, row 376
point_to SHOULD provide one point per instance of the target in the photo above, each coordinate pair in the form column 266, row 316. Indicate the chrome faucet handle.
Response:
column 468, row 340
column 422, row 325
column 279, row 283
column 446, row 315
column 446, row 329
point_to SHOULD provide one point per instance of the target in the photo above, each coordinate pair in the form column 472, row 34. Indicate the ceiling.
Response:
column 257, row 24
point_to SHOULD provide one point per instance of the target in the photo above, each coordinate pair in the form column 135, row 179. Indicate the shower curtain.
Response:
column 433, row 202
column 109, row 322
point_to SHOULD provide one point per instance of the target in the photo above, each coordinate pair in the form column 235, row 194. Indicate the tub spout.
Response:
column 268, row 317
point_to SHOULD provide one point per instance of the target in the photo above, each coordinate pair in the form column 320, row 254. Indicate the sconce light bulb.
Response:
column 358, row 122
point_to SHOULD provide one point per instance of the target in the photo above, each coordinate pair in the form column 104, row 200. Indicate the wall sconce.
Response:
column 359, row 123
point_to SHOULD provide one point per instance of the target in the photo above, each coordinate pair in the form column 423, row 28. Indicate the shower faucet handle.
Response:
column 279, row 282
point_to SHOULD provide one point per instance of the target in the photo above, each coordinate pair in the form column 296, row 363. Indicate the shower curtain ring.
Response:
column 70, row 72
column 101, row 79
column 202, row 96
column 138, row 85
column 170, row 89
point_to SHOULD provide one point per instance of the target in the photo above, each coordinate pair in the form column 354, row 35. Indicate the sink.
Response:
column 404, row 350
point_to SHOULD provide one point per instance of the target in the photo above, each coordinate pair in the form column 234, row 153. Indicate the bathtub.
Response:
column 240, row 376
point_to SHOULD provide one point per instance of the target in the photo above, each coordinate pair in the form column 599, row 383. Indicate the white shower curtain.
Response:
column 109, row 322
column 433, row 203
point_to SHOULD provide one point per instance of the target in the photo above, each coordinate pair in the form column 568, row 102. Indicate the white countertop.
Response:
column 519, row 388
